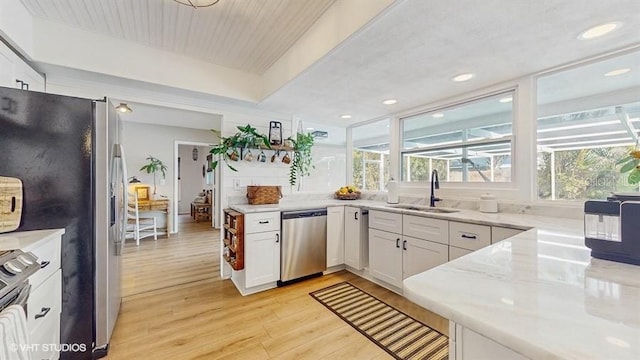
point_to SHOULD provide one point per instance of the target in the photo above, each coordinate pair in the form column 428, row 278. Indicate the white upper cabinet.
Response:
column 16, row 73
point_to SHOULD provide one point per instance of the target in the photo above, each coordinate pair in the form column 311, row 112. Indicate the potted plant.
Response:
column 153, row 167
column 301, row 165
column 631, row 164
column 247, row 137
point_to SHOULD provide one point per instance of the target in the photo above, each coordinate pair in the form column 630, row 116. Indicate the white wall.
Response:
column 330, row 171
column 141, row 140
column 191, row 180
column 253, row 173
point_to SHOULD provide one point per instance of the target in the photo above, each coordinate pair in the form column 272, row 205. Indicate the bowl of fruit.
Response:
column 348, row 192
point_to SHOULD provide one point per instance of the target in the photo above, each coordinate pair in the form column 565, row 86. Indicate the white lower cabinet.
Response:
column 262, row 258
column 499, row 233
column 385, row 256
column 45, row 299
column 335, row 236
column 455, row 252
column 469, row 345
column 421, row 255
column 394, row 257
column 356, row 237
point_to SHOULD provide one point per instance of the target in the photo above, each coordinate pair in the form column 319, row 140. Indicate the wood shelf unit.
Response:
column 233, row 251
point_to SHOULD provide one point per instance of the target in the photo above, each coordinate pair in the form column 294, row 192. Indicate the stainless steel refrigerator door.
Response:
column 304, row 247
column 111, row 192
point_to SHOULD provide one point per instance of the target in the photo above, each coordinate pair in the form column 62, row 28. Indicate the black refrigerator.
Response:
column 65, row 152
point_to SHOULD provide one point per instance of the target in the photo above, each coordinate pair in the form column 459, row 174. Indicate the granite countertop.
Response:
column 541, row 294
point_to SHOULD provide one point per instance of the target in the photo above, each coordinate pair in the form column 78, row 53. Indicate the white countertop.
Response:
column 541, row 294
column 26, row 240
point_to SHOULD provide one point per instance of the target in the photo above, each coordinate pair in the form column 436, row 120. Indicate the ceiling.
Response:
column 409, row 52
column 248, row 35
column 412, row 52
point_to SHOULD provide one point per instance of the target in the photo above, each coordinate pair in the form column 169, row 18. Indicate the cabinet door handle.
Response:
column 43, row 312
column 277, row 238
column 404, row 244
column 398, row 243
column 263, row 222
column 13, row 204
column 355, row 215
column 44, row 264
column 465, row 236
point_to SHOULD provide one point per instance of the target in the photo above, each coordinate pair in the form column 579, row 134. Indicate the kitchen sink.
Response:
column 423, row 208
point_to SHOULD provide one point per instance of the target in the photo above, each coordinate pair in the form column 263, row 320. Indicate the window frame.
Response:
column 511, row 139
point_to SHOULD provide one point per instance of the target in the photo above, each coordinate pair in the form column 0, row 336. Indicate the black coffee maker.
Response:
column 612, row 228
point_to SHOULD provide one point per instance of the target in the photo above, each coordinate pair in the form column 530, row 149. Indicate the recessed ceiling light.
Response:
column 507, row 99
column 438, row 115
column 310, row 129
column 599, row 30
column 617, row 72
column 390, row 101
column 345, row 116
column 463, row 77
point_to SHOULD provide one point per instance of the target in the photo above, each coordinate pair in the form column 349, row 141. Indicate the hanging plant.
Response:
column 301, row 165
column 247, row 137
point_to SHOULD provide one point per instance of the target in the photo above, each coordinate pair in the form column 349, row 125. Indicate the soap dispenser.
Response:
column 392, row 192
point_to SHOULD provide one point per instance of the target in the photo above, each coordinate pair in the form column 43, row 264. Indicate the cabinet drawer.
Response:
column 426, row 228
column 260, row 222
column 386, row 221
column 500, row 233
column 48, row 254
column 46, row 296
column 469, row 236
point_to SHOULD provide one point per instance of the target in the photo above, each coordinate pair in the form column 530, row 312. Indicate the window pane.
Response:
column 470, row 142
column 584, row 130
column 371, row 155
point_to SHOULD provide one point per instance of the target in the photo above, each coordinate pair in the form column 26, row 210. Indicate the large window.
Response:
column 370, row 156
column 469, row 142
column 588, row 119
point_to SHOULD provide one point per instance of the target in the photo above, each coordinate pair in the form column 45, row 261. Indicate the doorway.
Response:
column 196, row 184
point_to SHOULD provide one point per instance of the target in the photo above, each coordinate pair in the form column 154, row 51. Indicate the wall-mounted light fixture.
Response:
column 123, row 108
column 134, row 180
column 195, row 154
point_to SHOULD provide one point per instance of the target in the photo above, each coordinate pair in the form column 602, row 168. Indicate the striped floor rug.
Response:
column 394, row 331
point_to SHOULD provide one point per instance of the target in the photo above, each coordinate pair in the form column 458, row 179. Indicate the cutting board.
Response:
column 10, row 203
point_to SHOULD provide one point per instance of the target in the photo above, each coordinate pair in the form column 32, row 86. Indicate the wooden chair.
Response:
column 139, row 226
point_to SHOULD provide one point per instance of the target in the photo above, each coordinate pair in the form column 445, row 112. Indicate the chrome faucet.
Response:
column 435, row 184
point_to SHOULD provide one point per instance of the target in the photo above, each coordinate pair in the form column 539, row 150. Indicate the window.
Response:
column 469, row 142
column 584, row 130
column 370, row 156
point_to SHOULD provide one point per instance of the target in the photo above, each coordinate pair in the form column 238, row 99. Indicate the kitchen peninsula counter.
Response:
column 539, row 294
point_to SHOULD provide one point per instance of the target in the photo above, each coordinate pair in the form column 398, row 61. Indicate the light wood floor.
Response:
column 206, row 317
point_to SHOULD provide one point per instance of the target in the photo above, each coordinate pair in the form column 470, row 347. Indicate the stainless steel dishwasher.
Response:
column 304, row 244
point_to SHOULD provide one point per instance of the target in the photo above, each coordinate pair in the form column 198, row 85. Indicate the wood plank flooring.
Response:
column 205, row 317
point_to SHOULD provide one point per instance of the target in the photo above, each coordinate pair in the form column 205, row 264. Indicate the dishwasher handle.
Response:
column 304, row 213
